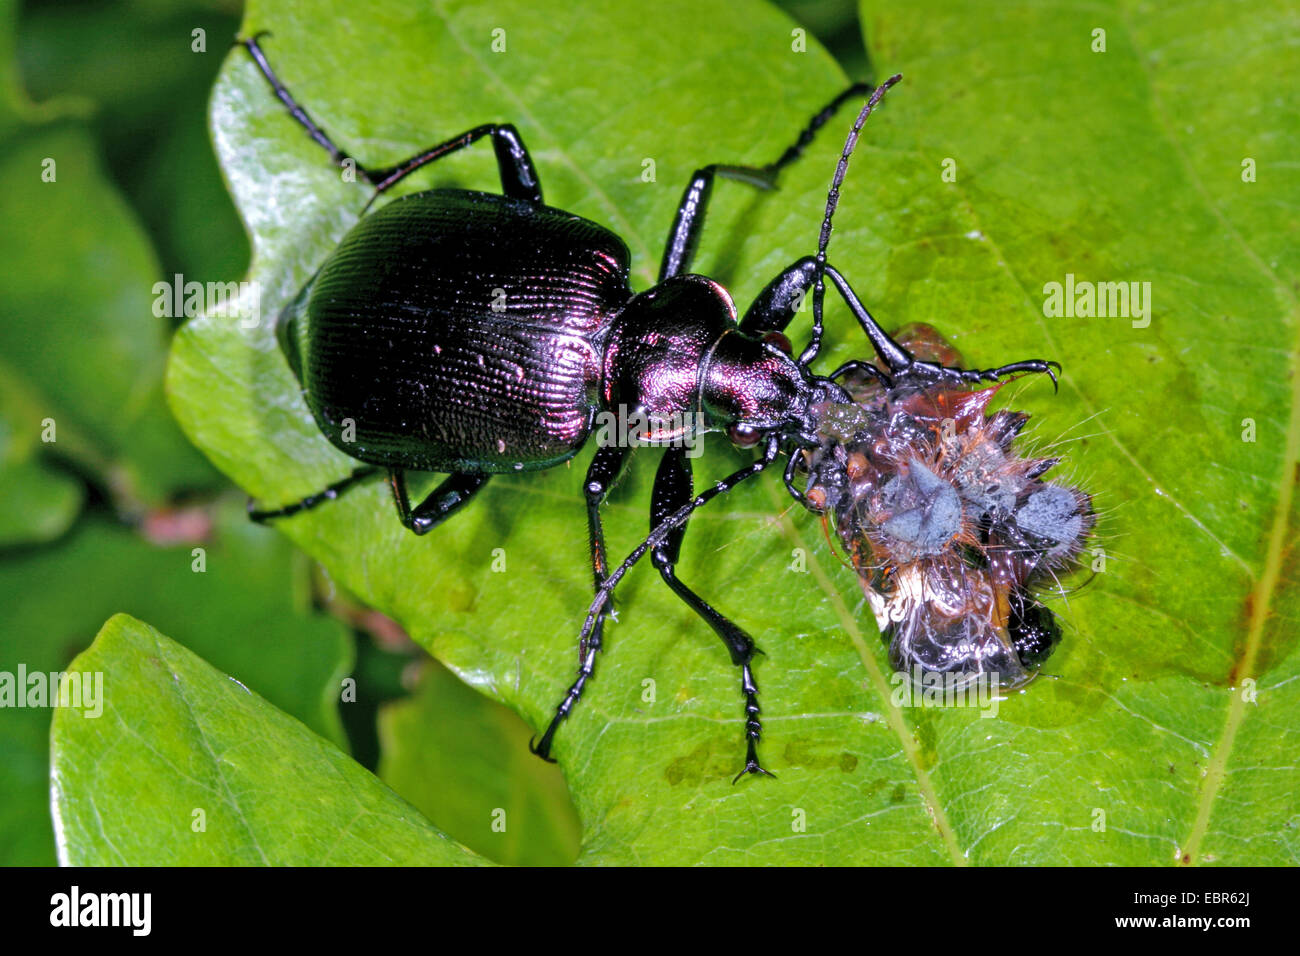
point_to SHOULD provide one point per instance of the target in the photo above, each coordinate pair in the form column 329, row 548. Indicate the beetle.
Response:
column 474, row 334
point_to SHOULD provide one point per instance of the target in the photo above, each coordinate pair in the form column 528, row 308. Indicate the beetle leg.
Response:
column 775, row 307
column 1043, row 366
column 665, row 527
column 890, row 352
column 657, row 536
column 819, row 120
column 688, row 223
column 450, row 496
column 297, row 112
column 866, row 368
column 518, row 176
column 601, row 474
column 787, row 478
column 311, row 501
column 930, row 371
column 543, row 747
column 672, row 490
column 781, row 299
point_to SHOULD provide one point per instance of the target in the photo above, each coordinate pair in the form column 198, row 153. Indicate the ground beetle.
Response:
column 474, row 334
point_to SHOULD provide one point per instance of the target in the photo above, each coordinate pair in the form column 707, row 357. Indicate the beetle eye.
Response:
column 743, row 436
column 780, row 341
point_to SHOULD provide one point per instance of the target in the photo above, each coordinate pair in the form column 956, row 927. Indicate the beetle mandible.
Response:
column 402, row 337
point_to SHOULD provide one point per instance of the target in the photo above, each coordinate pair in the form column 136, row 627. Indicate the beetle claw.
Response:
column 543, row 749
column 752, row 766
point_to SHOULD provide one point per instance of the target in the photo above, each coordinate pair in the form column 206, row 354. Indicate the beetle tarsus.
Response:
column 1032, row 366
column 753, row 726
column 318, row 135
column 571, row 697
column 260, row 516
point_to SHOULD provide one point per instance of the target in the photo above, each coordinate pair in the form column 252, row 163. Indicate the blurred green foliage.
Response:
column 131, row 65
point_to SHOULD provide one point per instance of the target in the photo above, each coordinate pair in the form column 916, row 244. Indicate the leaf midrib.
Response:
column 893, row 716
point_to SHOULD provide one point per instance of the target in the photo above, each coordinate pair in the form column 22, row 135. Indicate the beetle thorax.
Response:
column 751, row 387
column 656, row 349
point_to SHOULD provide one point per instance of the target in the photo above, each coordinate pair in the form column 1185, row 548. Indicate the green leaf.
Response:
column 1067, row 163
column 136, row 62
column 77, row 330
column 239, row 613
column 16, row 108
column 463, row 761
column 39, row 502
column 204, row 742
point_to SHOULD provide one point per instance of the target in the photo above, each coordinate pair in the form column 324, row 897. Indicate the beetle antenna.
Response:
column 832, row 201
column 833, row 195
